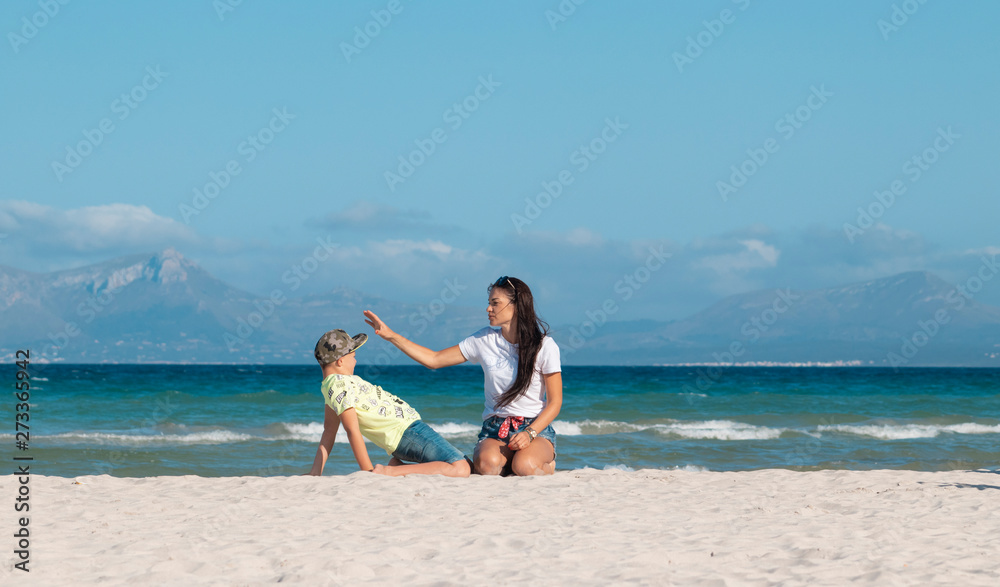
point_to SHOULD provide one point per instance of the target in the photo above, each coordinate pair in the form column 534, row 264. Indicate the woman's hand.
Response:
column 519, row 441
column 423, row 355
column 380, row 328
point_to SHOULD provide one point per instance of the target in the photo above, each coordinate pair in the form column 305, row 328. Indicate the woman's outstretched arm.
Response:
column 421, row 354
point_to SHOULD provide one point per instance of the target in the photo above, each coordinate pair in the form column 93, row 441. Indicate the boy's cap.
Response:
column 337, row 343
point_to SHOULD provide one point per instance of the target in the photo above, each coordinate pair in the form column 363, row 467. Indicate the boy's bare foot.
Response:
column 381, row 470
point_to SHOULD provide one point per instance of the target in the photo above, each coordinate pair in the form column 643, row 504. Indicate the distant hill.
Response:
column 165, row 308
column 861, row 322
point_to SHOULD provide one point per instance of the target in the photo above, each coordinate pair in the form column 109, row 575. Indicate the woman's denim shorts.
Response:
column 491, row 427
column 422, row 444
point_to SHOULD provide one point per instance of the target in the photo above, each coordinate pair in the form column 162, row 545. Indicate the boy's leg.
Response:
column 456, row 469
column 432, row 454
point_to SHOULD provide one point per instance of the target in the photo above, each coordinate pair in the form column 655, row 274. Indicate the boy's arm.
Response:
column 350, row 419
column 331, row 423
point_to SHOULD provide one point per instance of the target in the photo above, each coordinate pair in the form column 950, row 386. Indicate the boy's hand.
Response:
column 380, row 328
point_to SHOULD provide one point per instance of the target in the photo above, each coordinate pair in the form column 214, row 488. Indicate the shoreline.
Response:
column 590, row 526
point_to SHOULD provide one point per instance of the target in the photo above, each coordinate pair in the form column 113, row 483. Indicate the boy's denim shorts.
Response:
column 491, row 429
column 422, row 444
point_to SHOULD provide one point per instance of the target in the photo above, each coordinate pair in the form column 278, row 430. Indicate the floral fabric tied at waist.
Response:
column 505, row 426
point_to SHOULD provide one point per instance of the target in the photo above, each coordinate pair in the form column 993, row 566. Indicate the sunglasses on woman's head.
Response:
column 509, row 282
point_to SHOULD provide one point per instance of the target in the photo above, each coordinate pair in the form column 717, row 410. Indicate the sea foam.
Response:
column 720, row 430
column 908, row 431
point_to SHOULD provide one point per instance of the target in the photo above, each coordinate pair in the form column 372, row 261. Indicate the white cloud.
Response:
column 766, row 252
column 361, row 211
column 381, row 220
column 988, row 251
column 397, row 269
column 755, row 254
column 583, row 237
column 571, row 272
column 397, row 247
column 107, row 228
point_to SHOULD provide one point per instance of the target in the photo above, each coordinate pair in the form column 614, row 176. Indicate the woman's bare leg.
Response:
column 538, row 458
column 492, row 457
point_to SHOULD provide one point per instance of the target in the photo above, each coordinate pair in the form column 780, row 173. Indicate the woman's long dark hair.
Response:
column 530, row 332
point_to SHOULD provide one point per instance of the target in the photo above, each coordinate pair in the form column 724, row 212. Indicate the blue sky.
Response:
column 644, row 109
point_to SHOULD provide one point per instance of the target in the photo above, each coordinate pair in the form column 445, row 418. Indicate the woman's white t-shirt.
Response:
column 499, row 361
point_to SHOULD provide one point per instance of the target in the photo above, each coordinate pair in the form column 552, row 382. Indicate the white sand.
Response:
column 575, row 528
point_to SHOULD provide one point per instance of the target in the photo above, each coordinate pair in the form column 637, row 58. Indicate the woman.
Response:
column 523, row 380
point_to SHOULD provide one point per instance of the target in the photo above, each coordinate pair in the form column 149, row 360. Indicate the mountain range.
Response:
column 165, row 308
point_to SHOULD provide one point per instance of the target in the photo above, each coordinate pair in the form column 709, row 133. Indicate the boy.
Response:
column 368, row 411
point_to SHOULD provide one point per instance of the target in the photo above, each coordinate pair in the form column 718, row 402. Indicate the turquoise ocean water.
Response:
column 210, row 420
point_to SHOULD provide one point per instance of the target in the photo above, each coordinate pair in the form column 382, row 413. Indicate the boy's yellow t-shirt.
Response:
column 382, row 417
